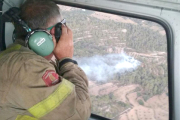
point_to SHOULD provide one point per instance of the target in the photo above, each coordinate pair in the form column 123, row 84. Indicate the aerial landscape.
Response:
column 125, row 60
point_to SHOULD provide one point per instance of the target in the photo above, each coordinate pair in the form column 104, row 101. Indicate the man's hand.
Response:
column 64, row 47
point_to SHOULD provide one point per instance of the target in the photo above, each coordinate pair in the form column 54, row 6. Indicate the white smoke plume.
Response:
column 102, row 68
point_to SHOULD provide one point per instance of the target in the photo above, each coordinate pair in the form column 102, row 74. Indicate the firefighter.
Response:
column 31, row 87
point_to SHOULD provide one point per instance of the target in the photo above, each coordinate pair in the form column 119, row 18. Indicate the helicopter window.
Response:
column 125, row 60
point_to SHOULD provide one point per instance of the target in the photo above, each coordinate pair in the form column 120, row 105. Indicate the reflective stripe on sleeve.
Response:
column 53, row 101
column 25, row 117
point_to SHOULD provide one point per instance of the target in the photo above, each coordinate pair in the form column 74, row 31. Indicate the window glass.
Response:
column 125, row 60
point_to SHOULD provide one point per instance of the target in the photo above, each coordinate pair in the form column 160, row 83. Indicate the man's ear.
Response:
column 54, row 40
column 52, row 32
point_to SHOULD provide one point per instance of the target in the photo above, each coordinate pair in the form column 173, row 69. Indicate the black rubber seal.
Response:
column 66, row 61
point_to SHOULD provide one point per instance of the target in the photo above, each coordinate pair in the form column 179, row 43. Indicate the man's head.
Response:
column 38, row 14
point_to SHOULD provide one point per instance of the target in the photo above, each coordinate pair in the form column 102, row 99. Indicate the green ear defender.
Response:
column 40, row 41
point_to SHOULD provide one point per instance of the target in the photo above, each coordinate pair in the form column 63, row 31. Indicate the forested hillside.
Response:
column 100, row 34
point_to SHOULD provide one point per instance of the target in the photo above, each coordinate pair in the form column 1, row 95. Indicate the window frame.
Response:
column 2, row 29
column 169, row 37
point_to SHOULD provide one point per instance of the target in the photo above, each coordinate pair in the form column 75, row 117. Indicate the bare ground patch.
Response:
column 159, row 104
column 156, row 108
column 103, row 89
column 121, row 92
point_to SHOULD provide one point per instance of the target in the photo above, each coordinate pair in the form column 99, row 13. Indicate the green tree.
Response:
column 140, row 102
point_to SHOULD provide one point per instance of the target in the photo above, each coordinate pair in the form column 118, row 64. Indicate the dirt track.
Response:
column 156, row 108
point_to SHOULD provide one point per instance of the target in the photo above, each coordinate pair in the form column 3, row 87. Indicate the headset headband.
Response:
column 13, row 15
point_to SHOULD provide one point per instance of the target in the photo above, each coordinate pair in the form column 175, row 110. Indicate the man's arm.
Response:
column 76, row 75
column 69, row 70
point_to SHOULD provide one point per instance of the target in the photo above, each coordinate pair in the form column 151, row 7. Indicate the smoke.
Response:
column 102, row 68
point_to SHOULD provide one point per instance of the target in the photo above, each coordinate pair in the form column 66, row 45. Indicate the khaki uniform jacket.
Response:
column 24, row 94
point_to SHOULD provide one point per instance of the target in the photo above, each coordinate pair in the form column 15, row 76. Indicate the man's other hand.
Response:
column 64, row 47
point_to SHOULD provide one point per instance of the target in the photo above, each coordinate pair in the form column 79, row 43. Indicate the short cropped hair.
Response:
column 37, row 14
